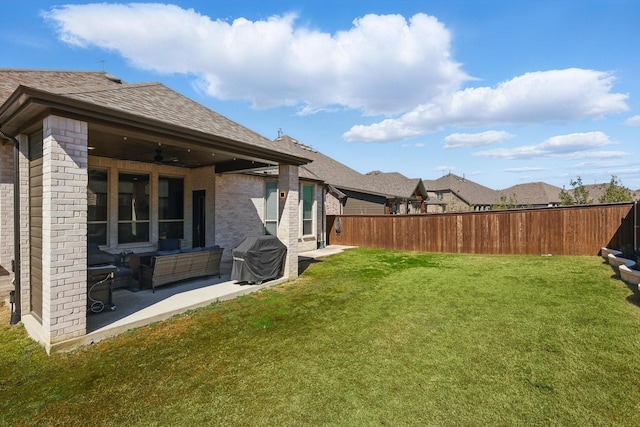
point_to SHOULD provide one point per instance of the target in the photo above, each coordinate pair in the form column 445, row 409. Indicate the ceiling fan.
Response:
column 159, row 158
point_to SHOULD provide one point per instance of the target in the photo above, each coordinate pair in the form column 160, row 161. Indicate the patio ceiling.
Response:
column 123, row 144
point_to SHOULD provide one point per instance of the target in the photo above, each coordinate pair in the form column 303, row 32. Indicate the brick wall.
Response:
column 239, row 203
column 289, row 218
column 6, row 205
column 64, row 229
column 334, row 207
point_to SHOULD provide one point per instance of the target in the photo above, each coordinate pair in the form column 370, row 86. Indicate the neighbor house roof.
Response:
column 389, row 185
column 323, row 167
column 394, row 183
column 160, row 107
column 533, row 193
column 467, row 190
column 596, row 191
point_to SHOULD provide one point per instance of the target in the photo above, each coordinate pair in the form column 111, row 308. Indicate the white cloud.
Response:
column 525, row 169
column 570, row 146
column 383, row 64
column 633, row 121
column 603, row 164
column 543, row 96
column 597, row 155
column 459, row 140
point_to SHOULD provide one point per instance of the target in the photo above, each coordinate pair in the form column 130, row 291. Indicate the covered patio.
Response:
column 140, row 308
column 123, row 166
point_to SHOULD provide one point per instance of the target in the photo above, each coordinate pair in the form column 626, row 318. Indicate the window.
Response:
column 97, row 225
column 307, row 209
column 271, row 208
column 439, row 195
column 133, row 208
column 171, row 208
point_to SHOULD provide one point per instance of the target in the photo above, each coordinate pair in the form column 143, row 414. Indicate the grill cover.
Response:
column 257, row 259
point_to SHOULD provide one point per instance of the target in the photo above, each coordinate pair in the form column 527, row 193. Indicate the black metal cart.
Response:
column 99, row 288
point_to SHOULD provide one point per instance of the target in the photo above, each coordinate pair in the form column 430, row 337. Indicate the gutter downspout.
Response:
column 635, row 225
column 17, row 313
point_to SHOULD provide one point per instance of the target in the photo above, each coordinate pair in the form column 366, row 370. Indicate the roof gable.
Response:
column 533, row 193
column 469, row 191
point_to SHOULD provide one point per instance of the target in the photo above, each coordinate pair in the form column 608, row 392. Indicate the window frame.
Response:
column 161, row 212
column 310, row 221
column 270, row 223
column 145, row 222
column 104, row 222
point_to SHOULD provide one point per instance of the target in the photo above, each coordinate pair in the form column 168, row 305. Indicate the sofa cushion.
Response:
column 173, row 252
column 168, row 244
column 188, row 250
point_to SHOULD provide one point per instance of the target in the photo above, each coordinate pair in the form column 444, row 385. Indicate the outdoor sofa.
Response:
column 169, row 266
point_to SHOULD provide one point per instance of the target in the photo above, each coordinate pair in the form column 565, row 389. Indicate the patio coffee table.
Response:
column 136, row 259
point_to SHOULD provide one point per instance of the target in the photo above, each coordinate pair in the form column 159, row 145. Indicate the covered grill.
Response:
column 258, row 259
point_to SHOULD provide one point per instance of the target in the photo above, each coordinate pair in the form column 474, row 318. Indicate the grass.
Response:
column 368, row 337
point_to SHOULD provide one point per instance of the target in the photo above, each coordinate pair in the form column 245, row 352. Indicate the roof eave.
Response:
column 26, row 103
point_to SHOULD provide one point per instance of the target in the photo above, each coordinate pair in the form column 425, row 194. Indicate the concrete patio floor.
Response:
column 143, row 307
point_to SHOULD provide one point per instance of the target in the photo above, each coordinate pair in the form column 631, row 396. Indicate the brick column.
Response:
column 6, row 206
column 6, row 220
column 289, row 216
column 64, row 229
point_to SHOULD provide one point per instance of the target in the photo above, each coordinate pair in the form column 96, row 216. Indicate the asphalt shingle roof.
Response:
column 469, row 191
column 10, row 79
column 337, row 174
column 151, row 101
column 322, row 167
column 533, row 193
column 392, row 183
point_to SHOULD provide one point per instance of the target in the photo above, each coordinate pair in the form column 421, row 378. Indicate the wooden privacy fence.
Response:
column 558, row 231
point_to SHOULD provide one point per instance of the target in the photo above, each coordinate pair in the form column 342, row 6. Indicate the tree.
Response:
column 616, row 192
column 506, row 203
column 580, row 194
column 566, row 198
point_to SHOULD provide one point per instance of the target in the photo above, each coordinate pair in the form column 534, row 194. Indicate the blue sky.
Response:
column 502, row 92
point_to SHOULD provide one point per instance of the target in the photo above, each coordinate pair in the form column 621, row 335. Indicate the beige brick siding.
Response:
column 64, row 229
column 6, row 205
column 289, row 224
column 453, row 202
column 239, row 202
column 334, row 207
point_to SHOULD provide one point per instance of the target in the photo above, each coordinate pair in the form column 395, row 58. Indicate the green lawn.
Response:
column 368, row 337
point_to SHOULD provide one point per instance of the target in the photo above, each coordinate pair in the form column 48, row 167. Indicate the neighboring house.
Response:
column 458, row 194
column 596, row 191
column 533, row 195
column 349, row 192
column 124, row 165
column 343, row 187
column 406, row 196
